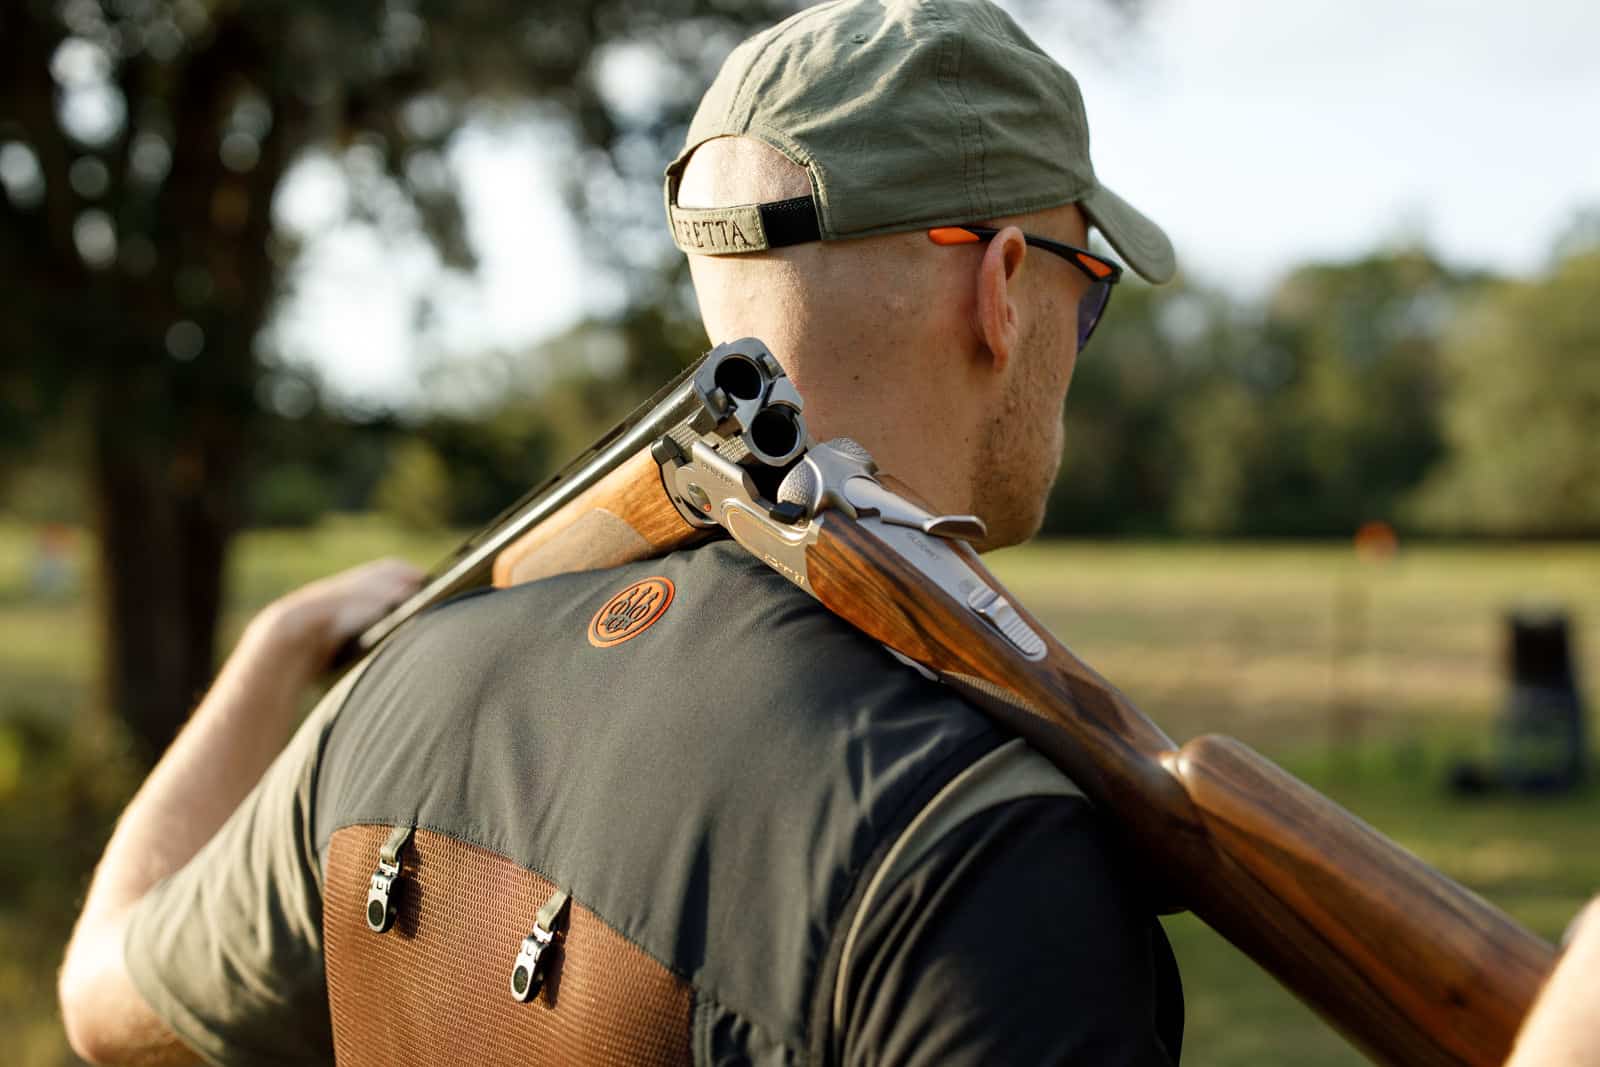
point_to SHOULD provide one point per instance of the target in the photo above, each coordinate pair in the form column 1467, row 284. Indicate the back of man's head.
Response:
column 805, row 298
column 820, row 159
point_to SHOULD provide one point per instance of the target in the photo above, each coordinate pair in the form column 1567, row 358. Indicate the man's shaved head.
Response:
column 774, row 293
column 818, row 166
column 740, row 170
column 893, row 342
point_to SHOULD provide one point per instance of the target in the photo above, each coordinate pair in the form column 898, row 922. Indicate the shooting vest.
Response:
column 630, row 817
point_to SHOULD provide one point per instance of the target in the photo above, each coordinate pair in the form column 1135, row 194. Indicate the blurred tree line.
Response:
column 1390, row 388
column 142, row 143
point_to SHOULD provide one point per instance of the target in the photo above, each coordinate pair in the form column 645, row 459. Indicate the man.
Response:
column 739, row 831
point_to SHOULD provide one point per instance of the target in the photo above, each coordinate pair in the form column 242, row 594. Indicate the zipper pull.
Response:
column 527, row 973
column 380, row 906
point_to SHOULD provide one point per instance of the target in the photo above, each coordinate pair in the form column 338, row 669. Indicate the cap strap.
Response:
column 746, row 228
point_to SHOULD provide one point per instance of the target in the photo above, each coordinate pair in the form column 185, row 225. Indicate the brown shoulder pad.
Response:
column 433, row 989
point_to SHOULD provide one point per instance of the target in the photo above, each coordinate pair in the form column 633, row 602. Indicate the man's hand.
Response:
column 231, row 739
column 312, row 623
column 1562, row 1030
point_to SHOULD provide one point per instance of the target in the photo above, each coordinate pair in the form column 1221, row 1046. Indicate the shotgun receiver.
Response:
column 1410, row 966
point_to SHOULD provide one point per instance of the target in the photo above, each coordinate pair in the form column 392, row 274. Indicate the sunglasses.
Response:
column 1102, row 273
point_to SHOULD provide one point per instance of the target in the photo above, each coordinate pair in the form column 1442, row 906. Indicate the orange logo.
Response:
column 630, row 613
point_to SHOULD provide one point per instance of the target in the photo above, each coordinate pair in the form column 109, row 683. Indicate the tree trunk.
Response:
column 165, row 519
column 171, row 430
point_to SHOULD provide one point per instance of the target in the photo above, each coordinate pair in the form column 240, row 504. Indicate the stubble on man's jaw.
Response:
column 1019, row 453
column 1012, row 480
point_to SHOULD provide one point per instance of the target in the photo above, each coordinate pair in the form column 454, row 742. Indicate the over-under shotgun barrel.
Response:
column 541, row 534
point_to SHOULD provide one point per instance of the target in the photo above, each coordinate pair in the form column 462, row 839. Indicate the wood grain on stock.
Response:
column 624, row 517
column 1410, row 966
column 1413, row 967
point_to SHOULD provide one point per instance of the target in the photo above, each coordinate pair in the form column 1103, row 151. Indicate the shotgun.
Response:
column 1411, row 967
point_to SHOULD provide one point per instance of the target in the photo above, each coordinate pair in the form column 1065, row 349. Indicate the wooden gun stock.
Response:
column 1410, row 966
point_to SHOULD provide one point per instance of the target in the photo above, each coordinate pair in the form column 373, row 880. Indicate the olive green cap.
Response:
column 907, row 114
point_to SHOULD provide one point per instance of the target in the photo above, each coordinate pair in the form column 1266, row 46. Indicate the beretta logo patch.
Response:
column 630, row 613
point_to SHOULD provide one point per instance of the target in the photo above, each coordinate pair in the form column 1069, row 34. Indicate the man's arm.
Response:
column 213, row 764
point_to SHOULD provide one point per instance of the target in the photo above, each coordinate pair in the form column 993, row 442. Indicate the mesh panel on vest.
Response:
column 435, row 988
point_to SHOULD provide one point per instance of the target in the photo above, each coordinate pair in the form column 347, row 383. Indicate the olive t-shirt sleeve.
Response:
column 1016, row 939
column 228, row 949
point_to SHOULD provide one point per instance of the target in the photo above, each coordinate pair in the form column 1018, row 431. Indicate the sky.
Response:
column 1259, row 134
column 1263, row 134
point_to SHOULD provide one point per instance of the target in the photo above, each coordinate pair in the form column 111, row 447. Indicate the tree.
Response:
column 1124, row 460
column 1522, row 406
column 141, row 144
column 1325, row 411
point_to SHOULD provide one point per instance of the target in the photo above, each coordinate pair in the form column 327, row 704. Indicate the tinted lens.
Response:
column 1090, row 308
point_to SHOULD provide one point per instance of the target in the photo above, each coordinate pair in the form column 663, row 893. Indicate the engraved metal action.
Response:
column 706, row 480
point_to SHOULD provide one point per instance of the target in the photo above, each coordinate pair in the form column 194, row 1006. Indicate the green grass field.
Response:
column 1366, row 680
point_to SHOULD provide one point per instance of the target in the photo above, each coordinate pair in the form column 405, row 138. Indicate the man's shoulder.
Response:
column 687, row 620
column 710, row 582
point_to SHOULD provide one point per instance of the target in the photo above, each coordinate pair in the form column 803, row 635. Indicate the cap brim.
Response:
column 1140, row 242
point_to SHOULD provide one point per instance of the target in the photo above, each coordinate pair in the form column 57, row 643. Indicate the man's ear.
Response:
column 997, row 322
